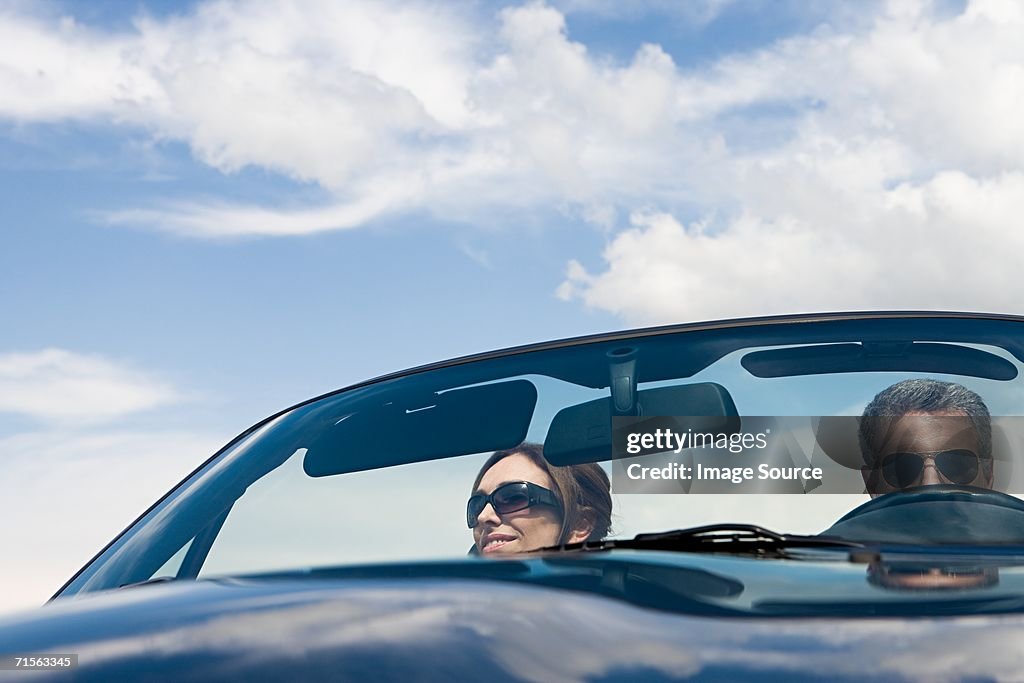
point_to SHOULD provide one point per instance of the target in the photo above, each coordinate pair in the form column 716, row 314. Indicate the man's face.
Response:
column 924, row 449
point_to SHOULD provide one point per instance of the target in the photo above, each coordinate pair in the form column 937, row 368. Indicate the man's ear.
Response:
column 990, row 475
column 584, row 527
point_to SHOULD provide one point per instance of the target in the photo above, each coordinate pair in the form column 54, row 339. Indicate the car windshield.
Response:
column 759, row 422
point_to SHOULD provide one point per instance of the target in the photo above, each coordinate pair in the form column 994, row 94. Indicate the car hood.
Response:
column 422, row 628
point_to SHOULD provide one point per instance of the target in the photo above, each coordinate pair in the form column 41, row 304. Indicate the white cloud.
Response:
column 314, row 91
column 880, row 153
column 477, row 256
column 389, row 106
column 896, row 182
column 66, row 494
column 75, row 480
column 50, row 72
column 950, row 243
column 60, row 385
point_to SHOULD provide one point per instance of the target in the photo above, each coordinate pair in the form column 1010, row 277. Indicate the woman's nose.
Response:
column 488, row 515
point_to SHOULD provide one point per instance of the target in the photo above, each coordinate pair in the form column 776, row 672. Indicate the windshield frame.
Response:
column 742, row 326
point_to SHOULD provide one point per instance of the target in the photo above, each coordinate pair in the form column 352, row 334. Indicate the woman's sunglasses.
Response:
column 958, row 466
column 511, row 497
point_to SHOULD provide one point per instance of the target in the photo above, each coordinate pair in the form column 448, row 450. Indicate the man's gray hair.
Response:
column 923, row 396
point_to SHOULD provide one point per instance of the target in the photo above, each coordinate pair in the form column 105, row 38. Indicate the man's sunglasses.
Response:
column 958, row 466
column 511, row 497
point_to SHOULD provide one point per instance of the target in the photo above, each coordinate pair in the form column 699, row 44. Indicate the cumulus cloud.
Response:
column 880, row 153
column 64, row 386
column 950, row 243
column 339, row 95
column 896, row 181
column 390, row 106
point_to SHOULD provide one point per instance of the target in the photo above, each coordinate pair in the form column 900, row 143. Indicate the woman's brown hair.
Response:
column 583, row 490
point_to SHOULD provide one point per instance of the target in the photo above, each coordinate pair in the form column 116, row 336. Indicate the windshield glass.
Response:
column 793, row 426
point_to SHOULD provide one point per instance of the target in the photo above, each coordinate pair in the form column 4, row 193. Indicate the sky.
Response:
column 210, row 211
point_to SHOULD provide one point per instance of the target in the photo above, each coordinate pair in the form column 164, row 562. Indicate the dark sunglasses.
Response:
column 511, row 497
column 958, row 466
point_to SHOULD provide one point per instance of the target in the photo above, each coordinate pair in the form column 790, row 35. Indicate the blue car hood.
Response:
column 465, row 628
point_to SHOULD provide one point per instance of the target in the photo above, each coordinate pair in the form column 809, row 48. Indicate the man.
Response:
column 922, row 432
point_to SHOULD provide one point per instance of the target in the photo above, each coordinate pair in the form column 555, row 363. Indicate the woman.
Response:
column 520, row 502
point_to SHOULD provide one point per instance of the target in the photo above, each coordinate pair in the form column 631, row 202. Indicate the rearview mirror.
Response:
column 583, row 433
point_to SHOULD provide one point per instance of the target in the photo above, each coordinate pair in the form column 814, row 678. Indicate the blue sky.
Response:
column 212, row 210
column 286, row 310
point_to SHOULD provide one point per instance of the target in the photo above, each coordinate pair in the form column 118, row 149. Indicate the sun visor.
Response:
column 583, row 433
column 481, row 418
column 827, row 359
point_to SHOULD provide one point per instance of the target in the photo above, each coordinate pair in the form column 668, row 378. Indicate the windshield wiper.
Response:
column 743, row 539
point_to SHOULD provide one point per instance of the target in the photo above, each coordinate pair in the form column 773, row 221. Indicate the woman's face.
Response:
column 535, row 527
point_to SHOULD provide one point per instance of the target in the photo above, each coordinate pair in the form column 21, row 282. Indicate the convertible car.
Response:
column 806, row 497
